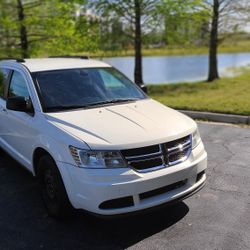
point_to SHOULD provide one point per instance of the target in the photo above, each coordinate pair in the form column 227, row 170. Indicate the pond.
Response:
column 174, row 69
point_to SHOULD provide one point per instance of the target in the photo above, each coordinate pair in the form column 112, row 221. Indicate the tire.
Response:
column 52, row 188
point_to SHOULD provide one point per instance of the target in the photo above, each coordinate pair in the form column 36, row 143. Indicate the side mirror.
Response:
column 143, row 88
column 21, row 104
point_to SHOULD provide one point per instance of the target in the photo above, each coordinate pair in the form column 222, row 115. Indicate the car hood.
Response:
column 120, row 126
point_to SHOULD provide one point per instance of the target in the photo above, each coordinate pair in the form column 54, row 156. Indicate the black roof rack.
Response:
column 68, row 56
column 20, row 60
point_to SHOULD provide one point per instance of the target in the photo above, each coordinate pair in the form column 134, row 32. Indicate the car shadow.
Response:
column 25, row 224
column 127, row 231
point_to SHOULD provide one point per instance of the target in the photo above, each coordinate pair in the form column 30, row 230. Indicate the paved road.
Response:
column 216, row 218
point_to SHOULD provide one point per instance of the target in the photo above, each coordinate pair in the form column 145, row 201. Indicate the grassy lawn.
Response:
column 226, row 47
column 227, row 95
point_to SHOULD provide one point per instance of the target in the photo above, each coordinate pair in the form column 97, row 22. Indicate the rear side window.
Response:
column 4, row 75
column 18, row 86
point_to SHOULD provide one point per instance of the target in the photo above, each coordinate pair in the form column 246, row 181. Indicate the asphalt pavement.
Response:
column 218, row 217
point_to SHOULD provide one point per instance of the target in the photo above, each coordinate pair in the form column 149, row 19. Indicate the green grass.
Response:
column 226, row 47
column 226, row 95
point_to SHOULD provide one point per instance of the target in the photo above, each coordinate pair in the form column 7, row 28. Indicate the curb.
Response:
column 217, row 117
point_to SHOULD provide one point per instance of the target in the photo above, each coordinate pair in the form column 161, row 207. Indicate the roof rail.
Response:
column 20, row 60
column 68, row 56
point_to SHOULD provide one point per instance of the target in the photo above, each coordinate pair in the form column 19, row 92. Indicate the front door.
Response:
column 20, row 134
column 4, row 78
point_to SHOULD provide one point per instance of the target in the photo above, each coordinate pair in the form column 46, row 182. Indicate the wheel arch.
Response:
column 37, row 154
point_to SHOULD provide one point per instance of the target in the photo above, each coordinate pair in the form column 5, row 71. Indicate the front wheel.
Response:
column 52, row 188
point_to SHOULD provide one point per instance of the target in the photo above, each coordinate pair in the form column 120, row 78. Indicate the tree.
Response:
column 136, row 14
column 44, row 27
column 184, row 21
column 112, row 34
column 213, row 45
column 15, row 16
column 220, row 11
column 22, row 29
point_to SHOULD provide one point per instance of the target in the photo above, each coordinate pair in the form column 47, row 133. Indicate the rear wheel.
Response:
column 52, row 188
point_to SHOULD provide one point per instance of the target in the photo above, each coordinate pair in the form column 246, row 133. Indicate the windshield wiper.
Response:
column 113, row 101
column 62, row 107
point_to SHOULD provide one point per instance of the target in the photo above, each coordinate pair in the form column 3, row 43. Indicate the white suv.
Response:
column 94, row 140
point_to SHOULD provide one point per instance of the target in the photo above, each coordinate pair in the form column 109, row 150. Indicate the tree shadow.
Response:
column 25, row 224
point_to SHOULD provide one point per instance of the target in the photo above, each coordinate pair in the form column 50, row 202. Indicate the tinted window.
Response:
column 18, row 86
column 75, row 88
column 4, row 74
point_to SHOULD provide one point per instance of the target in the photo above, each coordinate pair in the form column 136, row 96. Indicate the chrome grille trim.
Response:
column 145, row 159
column 179, row 153
column 183, row 146
column 178, row 161
column 134, row 158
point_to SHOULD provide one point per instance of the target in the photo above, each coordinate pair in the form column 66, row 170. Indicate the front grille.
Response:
column 141, row 151
column 146, row 164
column 177, row 142
column 158, row 156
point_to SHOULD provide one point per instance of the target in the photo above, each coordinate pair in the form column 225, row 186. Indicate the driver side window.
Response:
column 18, row 86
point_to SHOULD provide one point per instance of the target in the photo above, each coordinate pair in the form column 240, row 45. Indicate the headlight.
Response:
column 97, row 159
column 196, row 139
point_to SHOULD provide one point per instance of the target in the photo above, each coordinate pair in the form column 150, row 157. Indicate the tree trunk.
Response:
column 166, row 30
column 213, row 64
column 22, row 30
column 138, row 53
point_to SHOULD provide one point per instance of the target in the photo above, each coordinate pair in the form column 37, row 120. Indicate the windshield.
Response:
column 81, row 88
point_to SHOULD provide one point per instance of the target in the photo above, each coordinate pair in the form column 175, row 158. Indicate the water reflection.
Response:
column 174, row 69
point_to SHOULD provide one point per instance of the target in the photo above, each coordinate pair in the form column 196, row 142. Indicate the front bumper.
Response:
column 119, row 191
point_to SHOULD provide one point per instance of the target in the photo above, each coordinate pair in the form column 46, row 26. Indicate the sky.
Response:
column 247, row 28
